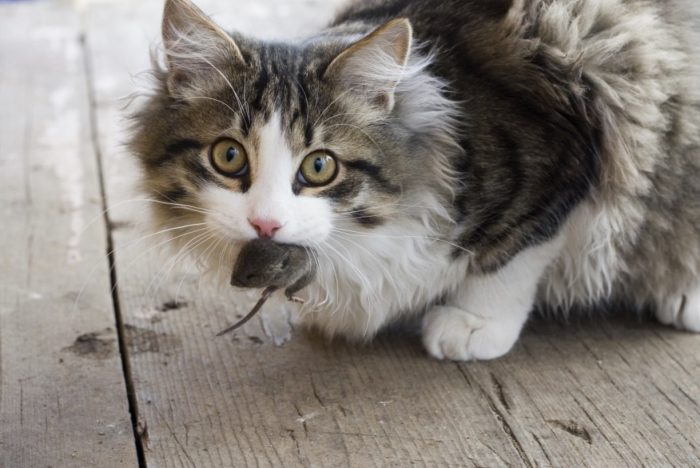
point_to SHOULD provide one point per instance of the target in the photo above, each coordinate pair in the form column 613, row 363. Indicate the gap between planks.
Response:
column 138, row 427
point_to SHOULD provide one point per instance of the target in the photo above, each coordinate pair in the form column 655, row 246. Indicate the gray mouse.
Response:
column 263, row 263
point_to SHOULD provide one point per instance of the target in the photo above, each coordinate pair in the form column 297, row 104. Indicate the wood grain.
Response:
column 62, row 395
column 598, row 393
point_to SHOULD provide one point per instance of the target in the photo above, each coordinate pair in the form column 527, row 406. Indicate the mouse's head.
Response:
column 263, row 263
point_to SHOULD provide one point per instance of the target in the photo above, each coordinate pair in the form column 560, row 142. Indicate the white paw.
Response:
column 452, row 333
column 682, row 312
column 277, row 317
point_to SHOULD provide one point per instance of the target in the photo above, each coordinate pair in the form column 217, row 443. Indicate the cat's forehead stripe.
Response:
column 281, row 83
column 261, row 83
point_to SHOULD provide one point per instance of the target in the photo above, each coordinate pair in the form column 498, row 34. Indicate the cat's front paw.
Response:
column 682, row 312
column 452, row 333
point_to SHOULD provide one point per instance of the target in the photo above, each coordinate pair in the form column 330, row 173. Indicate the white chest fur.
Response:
column 368, row 278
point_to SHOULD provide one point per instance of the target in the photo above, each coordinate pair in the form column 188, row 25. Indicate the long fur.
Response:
column 477, row 141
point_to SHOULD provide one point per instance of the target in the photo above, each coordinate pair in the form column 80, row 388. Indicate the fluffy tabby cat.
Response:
column 459, row 160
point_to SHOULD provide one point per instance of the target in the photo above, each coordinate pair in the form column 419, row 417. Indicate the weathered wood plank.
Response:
column 603, row 393
column 596, row 394
column 62, row 395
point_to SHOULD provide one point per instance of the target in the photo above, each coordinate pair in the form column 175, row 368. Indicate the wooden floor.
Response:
column 111, row 360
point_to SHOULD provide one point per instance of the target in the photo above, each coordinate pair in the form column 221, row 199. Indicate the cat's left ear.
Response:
column 374, row 65
column 196, row 48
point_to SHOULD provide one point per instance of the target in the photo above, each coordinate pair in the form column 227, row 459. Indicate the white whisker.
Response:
column 390, row 236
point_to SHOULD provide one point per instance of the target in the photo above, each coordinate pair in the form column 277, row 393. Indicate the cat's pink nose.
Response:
column 265, row 227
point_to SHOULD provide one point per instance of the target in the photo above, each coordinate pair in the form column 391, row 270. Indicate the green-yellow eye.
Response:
column 318, row 168
column 229, row 158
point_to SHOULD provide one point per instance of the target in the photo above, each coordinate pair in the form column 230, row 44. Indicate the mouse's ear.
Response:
column 197, row 50
column 373, row 66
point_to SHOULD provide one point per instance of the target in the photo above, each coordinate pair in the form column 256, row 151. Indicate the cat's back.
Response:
column 558, row 23
column 627, row 70
column 592, row 44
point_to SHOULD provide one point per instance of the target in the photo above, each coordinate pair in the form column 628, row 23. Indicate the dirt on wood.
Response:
column 95, row 345
column 142, row 340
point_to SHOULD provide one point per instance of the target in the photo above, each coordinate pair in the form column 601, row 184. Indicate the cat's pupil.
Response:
column 318, row 164
column 231, row 154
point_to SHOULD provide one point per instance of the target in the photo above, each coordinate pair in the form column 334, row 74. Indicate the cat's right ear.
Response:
column 374, row 65
column 196, row 49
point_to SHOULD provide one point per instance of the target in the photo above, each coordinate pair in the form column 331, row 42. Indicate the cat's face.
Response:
column 297, row 142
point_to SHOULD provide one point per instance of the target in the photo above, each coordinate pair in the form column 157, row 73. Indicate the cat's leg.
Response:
column 682, row 312
column 485, row 318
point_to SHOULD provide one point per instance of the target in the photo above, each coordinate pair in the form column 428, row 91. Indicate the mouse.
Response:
column 263, row 263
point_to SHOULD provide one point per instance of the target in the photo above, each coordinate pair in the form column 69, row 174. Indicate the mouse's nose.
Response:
column 265, row 227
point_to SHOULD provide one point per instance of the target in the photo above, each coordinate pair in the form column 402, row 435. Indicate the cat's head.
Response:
column 298, row 141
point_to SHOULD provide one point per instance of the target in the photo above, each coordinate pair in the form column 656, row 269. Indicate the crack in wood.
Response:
column 690, row 398
column 503, row 422
column 666, row 397
column 177, row 441
column 121, row 339
column 315, row 392
column 612, row 428
column 598, row 427
column 541, row 445
column 500, row 391
column 302, row 420
column 290, row 433
column 573, row 428
column 502, row 462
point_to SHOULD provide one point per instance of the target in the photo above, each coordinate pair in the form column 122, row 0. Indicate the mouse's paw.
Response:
column 296, row 300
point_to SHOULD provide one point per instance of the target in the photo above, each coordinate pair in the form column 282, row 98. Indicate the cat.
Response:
column 460, row 162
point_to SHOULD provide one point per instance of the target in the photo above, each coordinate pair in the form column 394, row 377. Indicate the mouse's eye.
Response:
column 318, row 168
column 229, row 158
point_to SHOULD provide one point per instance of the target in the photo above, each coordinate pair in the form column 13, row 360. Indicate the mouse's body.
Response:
column 263, row 263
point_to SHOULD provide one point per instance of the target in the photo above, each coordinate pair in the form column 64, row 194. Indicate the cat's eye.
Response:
column 318, row 168
column 229, row 158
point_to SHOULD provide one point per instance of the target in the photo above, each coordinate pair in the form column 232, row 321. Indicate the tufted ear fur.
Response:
column 375, row 64
column 196, row 49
